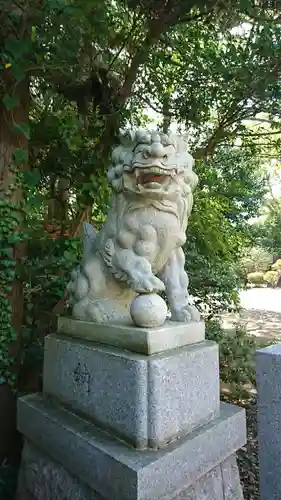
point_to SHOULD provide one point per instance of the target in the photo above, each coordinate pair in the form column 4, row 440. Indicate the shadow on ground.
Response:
column 265, row 325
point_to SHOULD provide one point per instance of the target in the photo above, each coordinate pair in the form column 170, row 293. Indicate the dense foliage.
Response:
column 268, row 232
column 255, row 259
column 231, row 187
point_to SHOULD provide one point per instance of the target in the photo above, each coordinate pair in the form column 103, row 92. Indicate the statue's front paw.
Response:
column 186, row 314
column 147, row 284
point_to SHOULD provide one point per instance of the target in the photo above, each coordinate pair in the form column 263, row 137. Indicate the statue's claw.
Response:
column 186, row 314
column 147, row 284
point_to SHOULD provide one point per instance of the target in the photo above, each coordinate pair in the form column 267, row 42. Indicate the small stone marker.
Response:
column 269, row 420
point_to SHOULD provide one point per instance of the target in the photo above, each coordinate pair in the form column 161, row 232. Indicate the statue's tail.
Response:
column 88, row 239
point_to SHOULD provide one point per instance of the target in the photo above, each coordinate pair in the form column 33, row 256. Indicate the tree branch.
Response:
column 197, row 17
column 262, row 120
column 213, row 141
column 257, row 17
column 133, row 27
column 261, row 134
column 152, row 106
column 155, row 29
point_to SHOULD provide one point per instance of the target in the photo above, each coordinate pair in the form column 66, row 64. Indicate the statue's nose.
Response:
column 157, row 150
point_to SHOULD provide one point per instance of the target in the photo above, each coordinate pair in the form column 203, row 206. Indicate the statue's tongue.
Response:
column 147, row 178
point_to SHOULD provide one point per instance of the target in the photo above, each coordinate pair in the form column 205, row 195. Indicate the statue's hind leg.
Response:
column 102, row 310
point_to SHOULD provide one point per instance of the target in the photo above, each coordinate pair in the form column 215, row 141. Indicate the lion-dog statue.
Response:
column 139, row 248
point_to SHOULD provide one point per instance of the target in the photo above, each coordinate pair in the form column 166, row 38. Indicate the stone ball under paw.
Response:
column 148, row 310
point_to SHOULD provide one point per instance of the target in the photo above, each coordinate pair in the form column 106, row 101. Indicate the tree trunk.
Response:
column 11, row 140
column 58, row 204
column 166, row 116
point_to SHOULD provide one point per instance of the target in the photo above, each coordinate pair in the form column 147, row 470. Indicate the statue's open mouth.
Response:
column 148, row 178
column 153, row 177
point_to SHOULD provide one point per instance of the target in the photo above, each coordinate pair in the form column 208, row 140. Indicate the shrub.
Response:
column 255, row 259
column 256, row 278
column 277, row 266
column 271, row 277
column 237, row 348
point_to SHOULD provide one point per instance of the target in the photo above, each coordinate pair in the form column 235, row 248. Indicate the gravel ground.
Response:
column 261, row 314
column 266, row 299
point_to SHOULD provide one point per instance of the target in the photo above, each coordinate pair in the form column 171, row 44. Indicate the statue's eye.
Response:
column 145, row 154
column 165, row 157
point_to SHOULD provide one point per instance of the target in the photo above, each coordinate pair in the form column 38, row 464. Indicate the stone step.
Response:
column 116, row 471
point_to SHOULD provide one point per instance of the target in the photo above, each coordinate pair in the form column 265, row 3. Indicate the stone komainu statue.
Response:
column 139, row 248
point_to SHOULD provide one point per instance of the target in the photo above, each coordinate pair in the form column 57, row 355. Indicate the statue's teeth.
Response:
column 157, row 170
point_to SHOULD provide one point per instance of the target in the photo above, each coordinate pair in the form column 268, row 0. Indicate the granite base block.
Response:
column 145, row 400
column 41, row 478
column 118, row 472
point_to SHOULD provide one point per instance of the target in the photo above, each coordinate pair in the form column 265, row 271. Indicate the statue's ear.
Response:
column 89, row 238
column 194, row 181
column 126, row 137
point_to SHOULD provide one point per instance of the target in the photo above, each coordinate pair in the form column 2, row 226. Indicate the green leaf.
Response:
column 69, row 256
column 32, row 178
column 33, row 33
column 8, row 251
column 18, row 72
column 17, row 47
column 21, row 156
column 57, row 4
column 10, row 101
column 23, row 128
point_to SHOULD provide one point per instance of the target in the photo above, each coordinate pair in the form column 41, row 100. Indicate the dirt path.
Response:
column 261, row 314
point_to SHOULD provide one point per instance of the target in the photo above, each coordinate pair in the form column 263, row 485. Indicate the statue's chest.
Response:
column 154, row 235
column 154, row 225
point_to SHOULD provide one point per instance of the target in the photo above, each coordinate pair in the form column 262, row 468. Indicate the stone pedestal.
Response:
column 145, row 400
column 115, row 424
